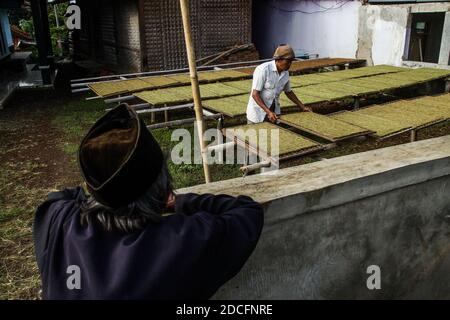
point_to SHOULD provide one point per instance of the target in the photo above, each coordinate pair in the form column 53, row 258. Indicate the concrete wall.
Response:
column 444, row 57
column 329, row 33
column 383, row 36
column 377, row 33
column 327, row 222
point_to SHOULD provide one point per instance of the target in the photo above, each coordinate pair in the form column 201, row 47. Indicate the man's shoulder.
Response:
column 52, row 213
column 56, row 200
column 56, row 203
column 263, row 66
column 76, row 193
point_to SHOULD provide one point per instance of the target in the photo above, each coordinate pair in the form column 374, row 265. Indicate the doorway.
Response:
column 426, row 36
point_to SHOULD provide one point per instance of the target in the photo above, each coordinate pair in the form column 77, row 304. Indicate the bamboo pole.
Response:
column 195, row 87
column 179, row 122
column 255, row 166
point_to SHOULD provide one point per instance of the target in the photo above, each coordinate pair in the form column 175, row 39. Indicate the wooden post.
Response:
column 166, row 114
column 152, row 116
column 40, row 22
column 194, row 83
column 413, row 135
column 356, row 104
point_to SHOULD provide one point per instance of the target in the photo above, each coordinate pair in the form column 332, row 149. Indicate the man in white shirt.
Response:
column 269, row 79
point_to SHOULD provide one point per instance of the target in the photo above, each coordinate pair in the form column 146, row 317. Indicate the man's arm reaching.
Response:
column 293, row 97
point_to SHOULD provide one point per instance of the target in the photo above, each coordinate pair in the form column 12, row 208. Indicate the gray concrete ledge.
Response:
column 327, row 222
column 333, row 182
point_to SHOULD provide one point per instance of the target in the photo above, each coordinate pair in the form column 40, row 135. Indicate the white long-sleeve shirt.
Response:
column 270, row 83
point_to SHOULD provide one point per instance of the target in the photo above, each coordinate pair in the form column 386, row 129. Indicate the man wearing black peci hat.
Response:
column 119, row 243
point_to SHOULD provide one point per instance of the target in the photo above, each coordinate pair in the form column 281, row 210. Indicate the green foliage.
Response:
column 27, row 26
column 58, row 30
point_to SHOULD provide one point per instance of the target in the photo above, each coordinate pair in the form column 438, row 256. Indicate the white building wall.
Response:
column 384, row 33
column 383, row 30
column 308, row 26
column 377, row 33
column 444, row 56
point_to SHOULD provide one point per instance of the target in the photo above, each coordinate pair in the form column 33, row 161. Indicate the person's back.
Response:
column 91, row 250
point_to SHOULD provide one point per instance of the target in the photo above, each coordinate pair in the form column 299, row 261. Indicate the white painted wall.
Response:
column 444, row 56
column 330, row 33
column 388, row 36
column 383, row 32
column 377, row 33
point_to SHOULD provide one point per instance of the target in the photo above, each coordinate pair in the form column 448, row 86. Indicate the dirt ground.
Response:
column 35, row 159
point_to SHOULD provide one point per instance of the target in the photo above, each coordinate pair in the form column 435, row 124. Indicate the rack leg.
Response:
column 413, row 135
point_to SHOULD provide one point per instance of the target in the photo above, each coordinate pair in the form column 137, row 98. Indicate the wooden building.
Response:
column 145, row 35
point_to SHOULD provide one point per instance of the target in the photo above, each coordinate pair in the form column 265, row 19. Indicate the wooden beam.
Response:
column 42, row 32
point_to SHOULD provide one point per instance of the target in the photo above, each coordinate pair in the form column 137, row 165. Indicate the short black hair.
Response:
column 136, row 215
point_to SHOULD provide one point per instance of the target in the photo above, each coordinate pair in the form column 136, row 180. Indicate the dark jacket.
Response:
column 188, row 255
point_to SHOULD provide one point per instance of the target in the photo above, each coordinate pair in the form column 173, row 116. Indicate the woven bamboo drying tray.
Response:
column 159, row 81
column 323, row 126
column 289, row 143
column 396, row 112
column 109, row 88
column 106, row 89
column 320, row 91
column 418, row 108
column 235, row 106
column 245, row 85
column 380, row 126
column 183, row 94
column 230, row 106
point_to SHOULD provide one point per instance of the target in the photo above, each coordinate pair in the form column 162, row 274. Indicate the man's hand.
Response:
column 272, row 117
column 170, row 206
column 293, row 97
